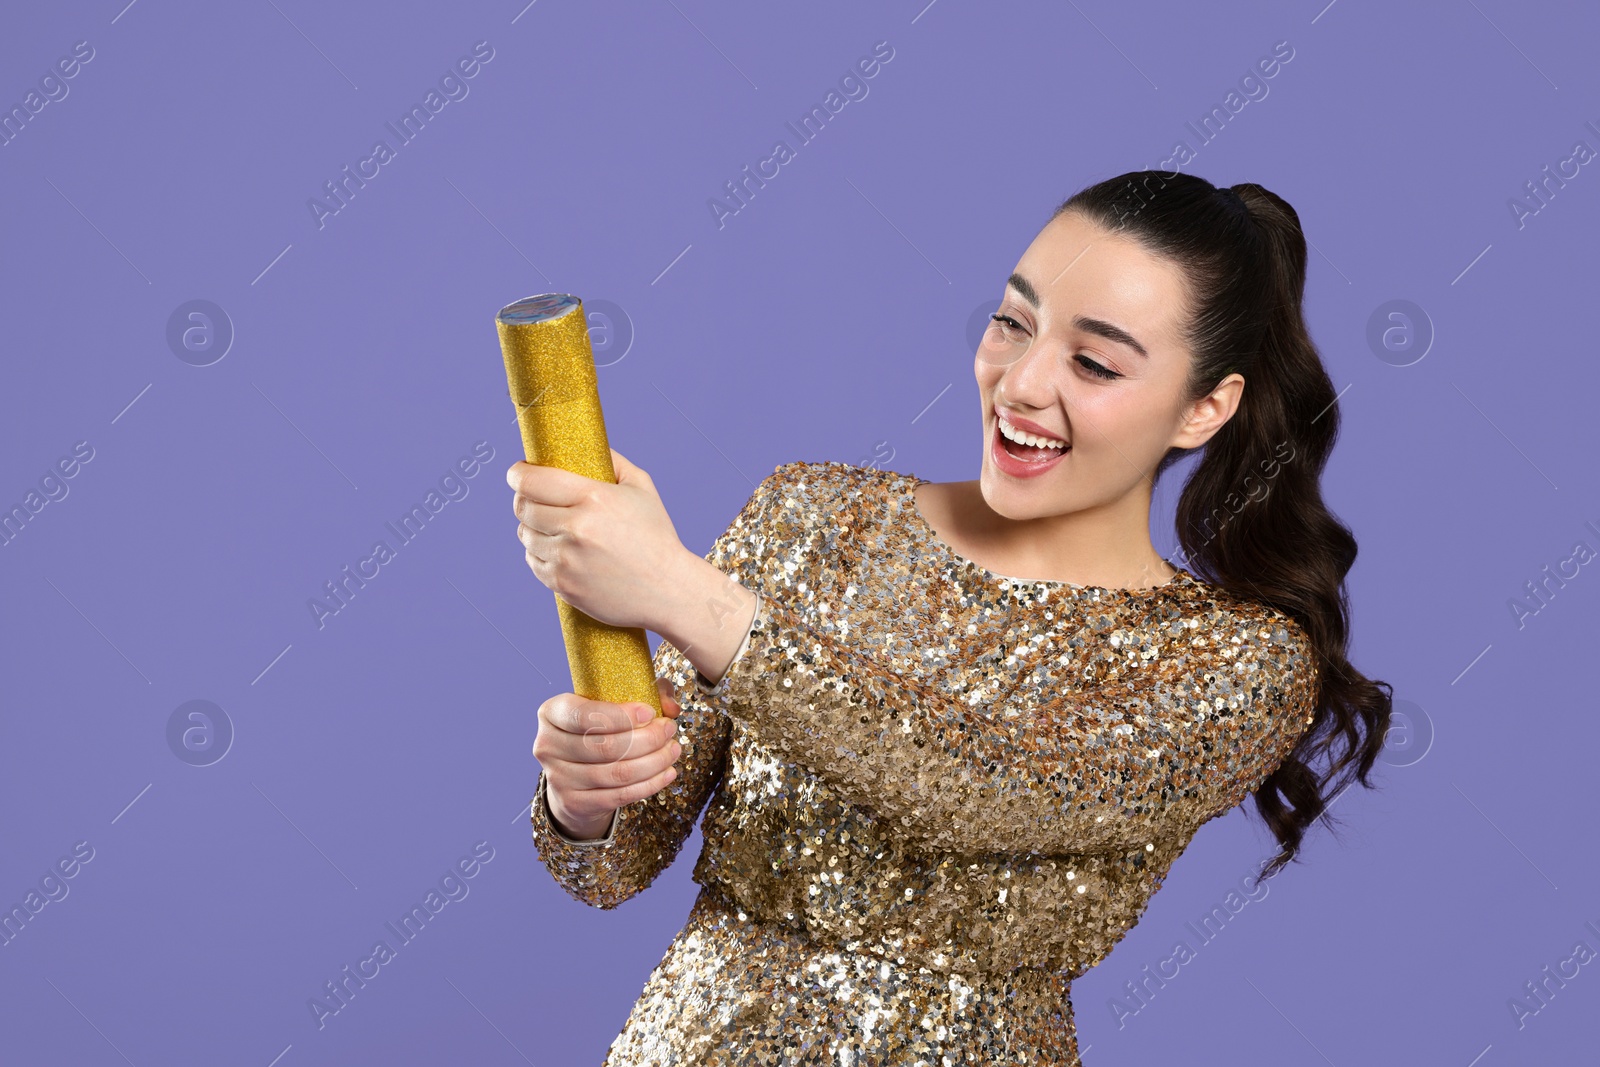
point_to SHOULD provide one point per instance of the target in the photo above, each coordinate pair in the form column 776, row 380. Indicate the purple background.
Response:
column 828, row 319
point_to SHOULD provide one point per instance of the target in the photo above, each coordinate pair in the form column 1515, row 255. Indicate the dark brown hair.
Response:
column 1243, row 258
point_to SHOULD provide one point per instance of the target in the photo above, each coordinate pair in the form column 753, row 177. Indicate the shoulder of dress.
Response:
column 831, row 471
column 1246, row 623
column 1278, row 643
column 821, row 489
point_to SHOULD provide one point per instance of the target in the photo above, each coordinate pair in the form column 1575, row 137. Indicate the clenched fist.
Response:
column 598, row 756
column 609, row 550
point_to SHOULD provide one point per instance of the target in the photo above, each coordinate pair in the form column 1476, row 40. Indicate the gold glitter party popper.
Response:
column 550, row 371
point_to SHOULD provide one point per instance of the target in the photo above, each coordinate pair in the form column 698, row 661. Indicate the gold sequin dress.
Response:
column 937, row 794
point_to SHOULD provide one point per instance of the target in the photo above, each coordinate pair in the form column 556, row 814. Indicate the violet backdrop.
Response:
column 252, row 380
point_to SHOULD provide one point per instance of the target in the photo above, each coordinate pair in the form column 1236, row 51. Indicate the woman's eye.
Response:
column 1010, row 328
column 1096, row 369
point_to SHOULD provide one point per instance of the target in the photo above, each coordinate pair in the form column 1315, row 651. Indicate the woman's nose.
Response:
column 1030, row 381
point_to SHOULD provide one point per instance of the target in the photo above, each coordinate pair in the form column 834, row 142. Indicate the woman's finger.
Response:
column 592, row 802
column 540, row 546
column 548, row 485
column 596, row 778
column 577, row 730
column 669, row 698
column 547, row 519
column 575, row 714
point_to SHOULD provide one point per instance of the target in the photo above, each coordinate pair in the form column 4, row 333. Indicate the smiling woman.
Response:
column 936, row 792
column 1086, row 349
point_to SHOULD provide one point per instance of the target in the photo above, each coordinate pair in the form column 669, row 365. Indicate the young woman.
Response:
column 961, row 731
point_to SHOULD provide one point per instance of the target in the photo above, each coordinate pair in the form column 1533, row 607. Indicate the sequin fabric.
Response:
column 936, row 794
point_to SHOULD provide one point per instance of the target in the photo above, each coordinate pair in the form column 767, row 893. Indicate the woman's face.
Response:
column 1090, row 353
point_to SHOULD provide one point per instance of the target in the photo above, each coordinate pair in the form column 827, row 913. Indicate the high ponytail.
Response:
column 1251, row 518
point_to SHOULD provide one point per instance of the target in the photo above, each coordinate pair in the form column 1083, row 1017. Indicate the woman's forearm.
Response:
column 708, row 617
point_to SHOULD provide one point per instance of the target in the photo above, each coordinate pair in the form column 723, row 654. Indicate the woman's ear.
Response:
column 1208, row 414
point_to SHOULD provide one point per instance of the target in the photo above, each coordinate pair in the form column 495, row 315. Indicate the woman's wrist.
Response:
column 576, row 829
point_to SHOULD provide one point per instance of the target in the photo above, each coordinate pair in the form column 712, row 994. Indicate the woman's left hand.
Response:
column 609, row 550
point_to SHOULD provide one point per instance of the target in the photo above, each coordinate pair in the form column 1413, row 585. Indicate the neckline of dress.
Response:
column 908, row 496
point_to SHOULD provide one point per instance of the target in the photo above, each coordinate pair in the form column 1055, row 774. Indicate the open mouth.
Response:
column 1027, row 453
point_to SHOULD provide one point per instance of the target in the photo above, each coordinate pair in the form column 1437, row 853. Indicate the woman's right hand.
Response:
column 597, row 756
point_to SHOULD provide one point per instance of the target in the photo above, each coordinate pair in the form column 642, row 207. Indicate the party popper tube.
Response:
column 551, row 375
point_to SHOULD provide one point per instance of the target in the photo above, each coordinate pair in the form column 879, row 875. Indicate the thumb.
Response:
column 669, row 697
column 626, row 472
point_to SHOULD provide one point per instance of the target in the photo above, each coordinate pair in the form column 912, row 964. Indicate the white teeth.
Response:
column 1011, row 433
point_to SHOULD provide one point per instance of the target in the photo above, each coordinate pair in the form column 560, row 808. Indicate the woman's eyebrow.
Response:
column 1025, row 287
column 1099, row 327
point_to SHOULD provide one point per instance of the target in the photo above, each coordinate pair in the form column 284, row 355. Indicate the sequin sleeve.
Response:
column 1112, row 771
column 1153, row 754
column 646, row 836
